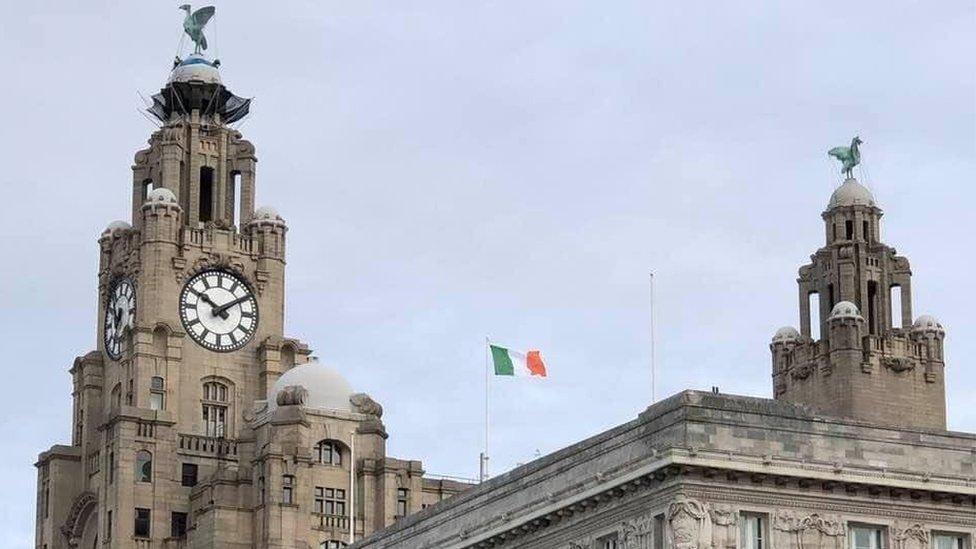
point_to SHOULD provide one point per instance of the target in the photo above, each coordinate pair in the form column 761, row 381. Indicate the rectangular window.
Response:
column 142, row 522
column 867, row 231
column 46, row 497
column 261, row 490
column 319, row 504
column 189, row 474
column 753, row 530
column 949, row 541
column 867, row 537
column 402, row 502
column 215, row 419
column 287, row 489
column 178, row 525
column 156, row 401
column 849, row 229
column 111, row 467
column 108, row 526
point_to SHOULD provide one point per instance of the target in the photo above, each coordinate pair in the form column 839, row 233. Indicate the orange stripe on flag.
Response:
column 535, row 364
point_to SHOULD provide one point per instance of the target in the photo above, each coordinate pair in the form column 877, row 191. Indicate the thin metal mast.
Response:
column 483, row 468
column 653, row 365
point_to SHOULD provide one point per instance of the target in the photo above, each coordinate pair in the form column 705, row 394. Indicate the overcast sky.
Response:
column 451, row 170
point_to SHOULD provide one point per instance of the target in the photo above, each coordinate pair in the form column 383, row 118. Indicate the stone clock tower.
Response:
column 196, row 422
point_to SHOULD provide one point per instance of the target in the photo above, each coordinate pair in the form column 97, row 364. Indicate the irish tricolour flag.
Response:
column 513, row 363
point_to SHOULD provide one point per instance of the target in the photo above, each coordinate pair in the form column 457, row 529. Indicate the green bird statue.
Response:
column 194, row 23
column 849, row 156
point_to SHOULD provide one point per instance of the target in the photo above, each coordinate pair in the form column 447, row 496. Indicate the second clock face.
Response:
column 218, row 310
column 120, row 313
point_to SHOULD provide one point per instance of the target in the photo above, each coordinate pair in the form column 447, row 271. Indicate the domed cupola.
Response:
column 851, row 193
column 845, row 310
column 196, row 68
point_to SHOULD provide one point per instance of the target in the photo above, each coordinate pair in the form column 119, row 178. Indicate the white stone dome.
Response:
column 851, row 193
column 927, row 323
column 161, row 194
column 327, row 388
column 786, row 333
column 195, row 68
column 845, row 309
column 116, row 226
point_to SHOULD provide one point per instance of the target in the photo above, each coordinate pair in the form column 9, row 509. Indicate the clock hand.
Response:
column 223, row 308
column 214, row 308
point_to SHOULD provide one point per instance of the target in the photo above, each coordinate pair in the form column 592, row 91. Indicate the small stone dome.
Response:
column 267, row 213
column 845, row 309
column 195, row 68
column 161, row 194
column 115, row 227
column 927, row 323
column 327, row 388
column 786, row 333
column 267, row 216
column 851, row 193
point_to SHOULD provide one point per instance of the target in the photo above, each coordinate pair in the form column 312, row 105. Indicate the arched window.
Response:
column 327, row 452
column 215, row 408
column 331, row 544
column 143, row 466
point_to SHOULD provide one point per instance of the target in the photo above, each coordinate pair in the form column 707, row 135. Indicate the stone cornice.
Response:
column 678, row 462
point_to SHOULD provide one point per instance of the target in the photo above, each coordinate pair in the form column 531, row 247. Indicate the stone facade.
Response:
column 686, row 472
column 177, row 445
column 851, row 453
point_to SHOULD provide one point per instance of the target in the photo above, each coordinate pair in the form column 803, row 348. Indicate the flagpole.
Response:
column 653, row 365
column 484, row 456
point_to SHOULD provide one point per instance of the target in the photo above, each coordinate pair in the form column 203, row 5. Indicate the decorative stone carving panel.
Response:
column 911, row 537
column 814, row 531
column 637, row 533
column 725, row 527
column 689, row 524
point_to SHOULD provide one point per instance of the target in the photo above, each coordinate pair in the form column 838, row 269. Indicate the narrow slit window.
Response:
column 235, row 197
column 206, row 193
column 814, row 300
column 896, row 307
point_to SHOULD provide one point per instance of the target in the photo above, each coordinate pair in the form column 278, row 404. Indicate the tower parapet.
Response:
column 869, row 360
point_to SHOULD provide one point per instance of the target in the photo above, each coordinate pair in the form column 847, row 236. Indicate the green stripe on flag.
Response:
column 503, row 362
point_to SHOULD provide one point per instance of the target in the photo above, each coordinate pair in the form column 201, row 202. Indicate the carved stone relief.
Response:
column 910, row 537
column 637, row 533
column 725, row 527
column 689, row 524
column 899, row 364
column 814, row 531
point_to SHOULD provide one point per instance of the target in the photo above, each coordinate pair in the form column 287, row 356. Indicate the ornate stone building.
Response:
column 197, row 423
column 852, row 453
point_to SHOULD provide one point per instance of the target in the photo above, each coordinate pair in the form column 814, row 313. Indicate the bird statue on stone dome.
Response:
column 194, row 23
column 849, row 156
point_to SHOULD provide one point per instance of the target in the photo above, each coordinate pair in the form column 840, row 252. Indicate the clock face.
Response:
column 218, row 310
column 120, row 313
